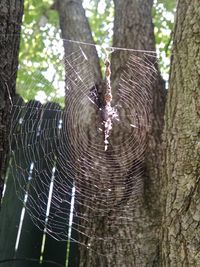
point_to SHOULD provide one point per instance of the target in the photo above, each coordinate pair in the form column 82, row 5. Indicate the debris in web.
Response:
column 109, row 113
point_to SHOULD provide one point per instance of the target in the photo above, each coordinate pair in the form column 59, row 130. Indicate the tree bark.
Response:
column 10, row 17
column 74, row 26
column 133, row 28
column 181, row 190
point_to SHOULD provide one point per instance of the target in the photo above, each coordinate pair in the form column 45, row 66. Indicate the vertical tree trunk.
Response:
column 74, row 26
column 135, row 30
column 10, row 18
column 131, row 244
column 181, row 177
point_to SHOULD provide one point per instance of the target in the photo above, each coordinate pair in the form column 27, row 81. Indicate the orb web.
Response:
column 59, row 162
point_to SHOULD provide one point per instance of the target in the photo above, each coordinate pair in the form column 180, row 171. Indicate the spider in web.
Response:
column 107, row 112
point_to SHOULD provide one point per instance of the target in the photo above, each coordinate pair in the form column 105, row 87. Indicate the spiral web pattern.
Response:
column 70, row 185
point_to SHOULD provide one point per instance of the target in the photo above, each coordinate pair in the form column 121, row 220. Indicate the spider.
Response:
column 103, row 99
column 108, row 113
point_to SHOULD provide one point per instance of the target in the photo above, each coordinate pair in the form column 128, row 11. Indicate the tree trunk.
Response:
column 133, row 28
column 132, row 243
column 10, row 17
column 74, row 26
column 180, row 234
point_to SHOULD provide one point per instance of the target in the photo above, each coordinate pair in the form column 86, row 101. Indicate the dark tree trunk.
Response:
column 181, row 176
column 133, row 29
column 10, row 18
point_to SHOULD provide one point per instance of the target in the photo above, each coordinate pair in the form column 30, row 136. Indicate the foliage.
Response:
column 101, row 16
column 38, row 50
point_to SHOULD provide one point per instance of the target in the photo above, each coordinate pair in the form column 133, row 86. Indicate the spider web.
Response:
column 65, row 178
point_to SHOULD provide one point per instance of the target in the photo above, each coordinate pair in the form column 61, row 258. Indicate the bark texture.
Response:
column 136, row 31
column 10, row 20
column 181, row 177
column 133, row 29
column 74, row 26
